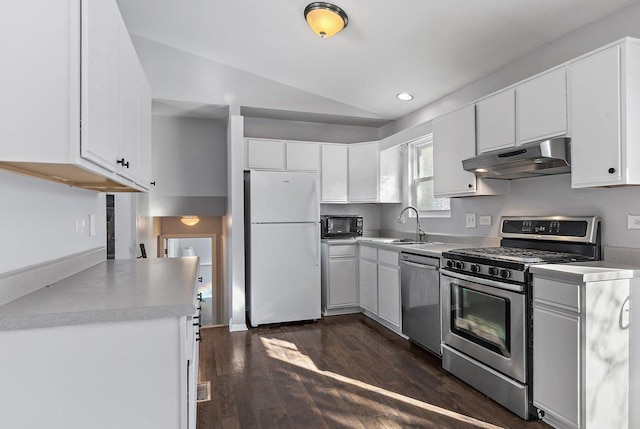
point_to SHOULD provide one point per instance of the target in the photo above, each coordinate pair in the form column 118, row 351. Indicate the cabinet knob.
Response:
column 470, row 185
column 611, row 170
column 123, row 162
column 153, row 183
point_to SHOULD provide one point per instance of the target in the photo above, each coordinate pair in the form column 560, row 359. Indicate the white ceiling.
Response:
column 428, row 48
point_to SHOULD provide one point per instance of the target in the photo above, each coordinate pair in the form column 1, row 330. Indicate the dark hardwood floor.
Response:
column 340, row 372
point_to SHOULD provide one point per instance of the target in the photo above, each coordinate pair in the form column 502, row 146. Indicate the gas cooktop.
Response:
column 514, row 254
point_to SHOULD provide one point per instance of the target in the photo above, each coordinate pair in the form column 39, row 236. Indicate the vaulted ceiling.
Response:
column 428, row 48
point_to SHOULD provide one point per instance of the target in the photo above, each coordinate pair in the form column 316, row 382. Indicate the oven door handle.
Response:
column 483, row 281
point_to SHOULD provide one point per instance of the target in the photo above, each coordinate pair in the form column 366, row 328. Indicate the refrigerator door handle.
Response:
column 318, row 244
column 316, row 187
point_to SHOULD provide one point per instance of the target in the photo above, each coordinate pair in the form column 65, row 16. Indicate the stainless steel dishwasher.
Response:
column 420, row 294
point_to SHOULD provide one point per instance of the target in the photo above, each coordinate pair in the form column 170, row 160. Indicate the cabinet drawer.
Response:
column 557, row 294
column 342, row 250
column 388, row 257
column 369, row 252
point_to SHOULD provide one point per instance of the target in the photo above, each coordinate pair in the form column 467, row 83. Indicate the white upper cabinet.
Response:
column 334, row 173
column 390, row 175
column 303, row 156
column 604, row 101
column 454, row 139
column 363, row 172
column 542, row 107
column 84, row 73
column 266, row 154
column 496, row 121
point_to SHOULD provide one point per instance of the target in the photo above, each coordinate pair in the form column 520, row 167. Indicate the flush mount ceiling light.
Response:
column 404, row 96
column 325, row 19
column 190, row 220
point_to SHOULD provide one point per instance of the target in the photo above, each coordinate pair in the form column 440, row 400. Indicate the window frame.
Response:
column 413, row 148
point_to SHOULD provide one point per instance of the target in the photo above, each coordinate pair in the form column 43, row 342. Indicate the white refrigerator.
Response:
column 282, row 220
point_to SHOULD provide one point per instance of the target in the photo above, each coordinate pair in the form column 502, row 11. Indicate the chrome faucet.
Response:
column 419, row 231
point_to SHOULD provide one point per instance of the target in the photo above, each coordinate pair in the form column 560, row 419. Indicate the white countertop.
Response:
column 111, row 291
column 428, row 248
column 582, row 272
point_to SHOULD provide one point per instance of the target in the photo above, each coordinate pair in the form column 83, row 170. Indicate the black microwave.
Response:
column 341, row 226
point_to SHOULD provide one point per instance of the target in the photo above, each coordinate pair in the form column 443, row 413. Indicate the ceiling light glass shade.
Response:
column 190, row 220
column 325, row 19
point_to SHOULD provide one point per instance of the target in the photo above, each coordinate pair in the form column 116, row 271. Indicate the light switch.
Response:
column 633, row 221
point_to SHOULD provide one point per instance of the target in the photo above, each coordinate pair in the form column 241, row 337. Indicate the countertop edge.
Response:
column 585, row 272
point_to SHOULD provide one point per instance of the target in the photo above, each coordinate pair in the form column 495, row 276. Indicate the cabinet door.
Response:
column 144, row 129
column 389, row 294
column 100, row 82
column 368, row 280
column 334, row 173
column 496, row 121
column 542, row 107
column 391, row 175
column 595, row 106
column 557, row 364
column 128, row 145
column 266, row 154
column 343, row 287
column 363, row 172
column 454, row 139
column 303, row 156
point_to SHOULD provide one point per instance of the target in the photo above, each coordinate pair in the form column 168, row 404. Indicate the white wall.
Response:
column 38, row 220
column 189, row 166
column 549, row 195
column 308, row 131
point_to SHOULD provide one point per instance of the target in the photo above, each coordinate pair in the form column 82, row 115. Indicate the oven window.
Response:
column 481, row 318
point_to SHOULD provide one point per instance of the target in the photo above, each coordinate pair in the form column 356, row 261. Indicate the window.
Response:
column 421, row 179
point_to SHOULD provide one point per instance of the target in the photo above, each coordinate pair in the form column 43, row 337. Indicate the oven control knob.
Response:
column 475, row 268
column 450, row 263
column 505, row 274
column 459, row 265
column 493, row 271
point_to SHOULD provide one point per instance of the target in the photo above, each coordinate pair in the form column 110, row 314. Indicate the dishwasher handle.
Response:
column 420, row 266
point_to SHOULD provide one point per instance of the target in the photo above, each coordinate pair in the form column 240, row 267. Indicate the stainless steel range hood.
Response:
column 529, row 160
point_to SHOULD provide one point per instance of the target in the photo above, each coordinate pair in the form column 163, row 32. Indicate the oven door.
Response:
column 485, row 320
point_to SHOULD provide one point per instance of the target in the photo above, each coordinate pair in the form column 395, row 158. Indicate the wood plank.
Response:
column 342, row 371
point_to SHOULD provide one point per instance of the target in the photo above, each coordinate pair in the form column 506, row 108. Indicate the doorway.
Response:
column 204, row 246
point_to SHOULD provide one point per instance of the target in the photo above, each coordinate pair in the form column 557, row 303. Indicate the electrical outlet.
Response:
column 633, row 221
column 92, row 225
column 485, row 220
column 470, row 220
column 79, row 226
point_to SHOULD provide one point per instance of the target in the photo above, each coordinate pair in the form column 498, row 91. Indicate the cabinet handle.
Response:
column 200, row 280
column 612, row 170
column 200, row 296
column 123, row 162
column 153, row 183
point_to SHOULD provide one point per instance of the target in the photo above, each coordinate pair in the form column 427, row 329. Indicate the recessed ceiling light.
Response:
column 404, row 96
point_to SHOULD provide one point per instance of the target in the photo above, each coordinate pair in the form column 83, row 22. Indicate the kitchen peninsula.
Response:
column 111, row 346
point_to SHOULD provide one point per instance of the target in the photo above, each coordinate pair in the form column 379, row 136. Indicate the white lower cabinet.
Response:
column 379, row 282
column 368, row 278
column 389, row 288
column 339, row 279
column 581, row 353
column 129, row 374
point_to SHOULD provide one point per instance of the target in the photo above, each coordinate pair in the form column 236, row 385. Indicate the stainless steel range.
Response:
column 486, row 302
